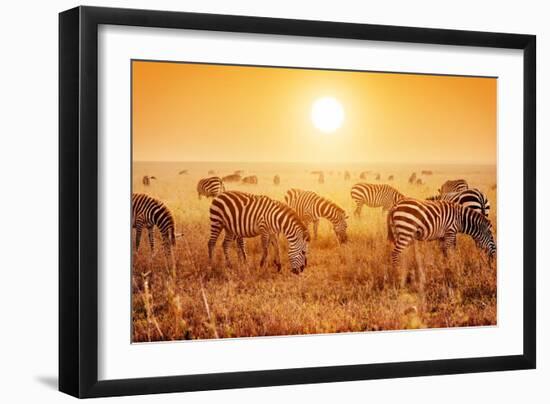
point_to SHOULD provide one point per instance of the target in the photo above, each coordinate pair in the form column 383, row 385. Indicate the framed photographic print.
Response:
column 250, row 201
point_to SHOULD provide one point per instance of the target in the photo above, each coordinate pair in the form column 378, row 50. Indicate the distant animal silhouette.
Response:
column 232, row 178
column 251, row 179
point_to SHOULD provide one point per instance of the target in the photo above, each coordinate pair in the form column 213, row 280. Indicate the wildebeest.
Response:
column 183, row 172
column 390, row 178
column 251, row 179
column 147, row 179
column 321, row 178
column 412, row 178
column 276, row 179
column 426, row 172
column 211, row 172
column 316, row 172
column 419, row 181
column 232, row 178
column 364, row 174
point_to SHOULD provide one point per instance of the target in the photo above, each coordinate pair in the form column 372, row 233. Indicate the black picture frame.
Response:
column 78, row 200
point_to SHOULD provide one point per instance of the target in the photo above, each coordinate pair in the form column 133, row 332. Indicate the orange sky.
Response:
column 193, row 112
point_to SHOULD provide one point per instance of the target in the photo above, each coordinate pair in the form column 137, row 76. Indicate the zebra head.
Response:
column 297, row 251
column 480, row 228
column 340, row 226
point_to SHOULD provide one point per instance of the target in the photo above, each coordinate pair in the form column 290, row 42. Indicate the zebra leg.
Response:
column 151, row 238
column 357, row 211
column 215, row 230
column 401, row 243
column 277, row 259
column 315, row 228
column 169, row 254
column 138, row 234
column 265, row 247
column 241, row 248
column 449, row 242
column 229, row 238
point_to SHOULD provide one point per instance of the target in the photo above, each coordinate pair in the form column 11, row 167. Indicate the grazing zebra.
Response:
column 436, row 220
column 251, row 179
column 232, row 178
column 276, row 180
column 374, row 196
column 471, row 198
column 149, row 212
column 453, row 186
column 412, row 178
column 310, row 207
column 210, row 187
column 346, row 175
column 244, row 215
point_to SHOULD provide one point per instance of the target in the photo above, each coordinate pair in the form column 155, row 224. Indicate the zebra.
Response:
column 310, row 207
column 453, row 186
column 232, row 178
column 210, row 187
column 251, row 179
column 243, row 215
column 149, row 212
column 436, row 220
column 472, row 198
column 374, row 195
column 412, row 178
column 276, row 179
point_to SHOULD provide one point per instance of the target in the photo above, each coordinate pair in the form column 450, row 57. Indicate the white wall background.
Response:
column 28, row 202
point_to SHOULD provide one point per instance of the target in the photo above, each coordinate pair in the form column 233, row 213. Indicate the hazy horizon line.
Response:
column 312, row 162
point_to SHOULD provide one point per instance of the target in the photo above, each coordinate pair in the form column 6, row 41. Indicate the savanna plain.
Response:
column 345, row 287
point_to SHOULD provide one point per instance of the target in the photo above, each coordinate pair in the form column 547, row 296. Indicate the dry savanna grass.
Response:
column 345, row 288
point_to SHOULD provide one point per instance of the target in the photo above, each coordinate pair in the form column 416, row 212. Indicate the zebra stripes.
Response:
column 453, row 186
column 210, row 187
column 471, row 198
column 310, row 207
column 374, row 196
column 436, row 220
column 149, row 212
column 244, row 215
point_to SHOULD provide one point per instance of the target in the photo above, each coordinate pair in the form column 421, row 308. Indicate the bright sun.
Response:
column 327, row 114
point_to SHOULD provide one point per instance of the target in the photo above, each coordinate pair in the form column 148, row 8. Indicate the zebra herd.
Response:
column 240, row 215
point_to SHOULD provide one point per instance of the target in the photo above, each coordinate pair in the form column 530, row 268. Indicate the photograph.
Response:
column 282, row 201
